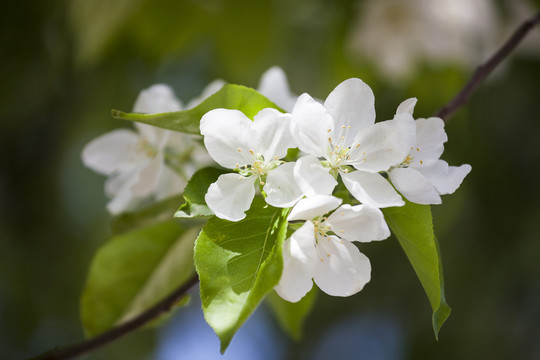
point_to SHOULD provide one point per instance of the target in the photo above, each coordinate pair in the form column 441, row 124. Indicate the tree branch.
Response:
column 485, row 69
column 84, row 347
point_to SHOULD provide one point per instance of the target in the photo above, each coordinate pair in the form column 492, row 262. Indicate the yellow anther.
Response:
column 421, row 162
column 417, row 149
column 240, row 177
column 239, row 150
column 329, row 140
column 343, row 126
column 328, row 255
column 329, row 130
column 357, row 146
column 342, row 213
column 322, row 259
column 342, row 138
column 341, row 231
column 262, row 182
column 349, row 126
column 237, row 165
column 251, row 152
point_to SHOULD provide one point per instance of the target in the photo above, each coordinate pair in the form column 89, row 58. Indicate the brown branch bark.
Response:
column 486, row 68
column 84, row 347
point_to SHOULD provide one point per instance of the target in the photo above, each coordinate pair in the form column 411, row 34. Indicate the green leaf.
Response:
column 238, row 264
column 155, row 212
column 413, row 226
column 290, row 315
column 133, row 271
column 194, row 192
column 238, row 97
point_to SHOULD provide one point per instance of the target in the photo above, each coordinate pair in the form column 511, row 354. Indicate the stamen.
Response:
column 239, row 150
column 251, row 152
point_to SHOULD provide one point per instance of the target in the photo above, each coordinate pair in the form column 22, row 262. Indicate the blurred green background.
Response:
column 65, row 64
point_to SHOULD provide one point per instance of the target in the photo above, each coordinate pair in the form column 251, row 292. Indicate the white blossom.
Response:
column 321, row 250
column 145, row 165
column 398, row 36
column 344, row 134
column 253, row 149
column 422, row 177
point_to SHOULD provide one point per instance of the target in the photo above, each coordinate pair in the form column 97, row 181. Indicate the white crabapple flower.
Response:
column 253, row 149
column 343, row 132
column 142, row 165
column 422, row 177
column 321, row 250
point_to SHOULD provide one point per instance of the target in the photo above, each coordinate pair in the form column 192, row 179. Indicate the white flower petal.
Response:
column 148, row 176
column 125, row 178
column 384, row 144
column 430, row 137
column 414, row 186
column 363, row 223
column 157, row 98
column 275, row 87
column 230, row 196
column 169, row 183
column 299, row 261
column 342, row 269
column 446, row 179
column 351, row 103
column 310, row 124
column 313, row 206
column 273, row 133
column 208, row 91
column 153, row 135
column 372, row 189
column 228, row 137
column 312, row 177
column 281, row 188
column 407, row 106
column 113, row 151
column 123, row 201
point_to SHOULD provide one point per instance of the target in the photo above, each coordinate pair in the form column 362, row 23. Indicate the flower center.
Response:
column 321, row 228
column 145, row 147
column 340, row 154
column 259, row 166
column 410, row 157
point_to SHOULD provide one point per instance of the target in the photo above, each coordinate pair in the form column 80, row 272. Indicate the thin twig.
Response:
column 485, row 69
column 84, row 347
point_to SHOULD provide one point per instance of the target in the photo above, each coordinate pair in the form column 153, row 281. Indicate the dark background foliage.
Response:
column 65, row 64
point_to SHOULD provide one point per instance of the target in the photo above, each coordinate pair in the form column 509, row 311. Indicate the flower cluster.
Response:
column 151, row 164
column 343, row 150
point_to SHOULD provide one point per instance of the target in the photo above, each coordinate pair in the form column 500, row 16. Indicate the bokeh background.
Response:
column 65, row 64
